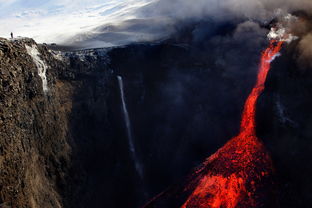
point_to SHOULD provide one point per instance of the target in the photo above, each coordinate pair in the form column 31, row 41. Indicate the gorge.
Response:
column 83, row 138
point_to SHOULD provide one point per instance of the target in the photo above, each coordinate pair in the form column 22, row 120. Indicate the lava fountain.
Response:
column 237, row 174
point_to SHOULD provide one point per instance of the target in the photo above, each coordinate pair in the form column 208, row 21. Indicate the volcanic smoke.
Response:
column 236, row 174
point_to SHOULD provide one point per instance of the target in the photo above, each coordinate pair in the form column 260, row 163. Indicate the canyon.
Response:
column 114, row 127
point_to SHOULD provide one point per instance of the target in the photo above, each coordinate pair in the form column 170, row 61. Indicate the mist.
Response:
column 262, row 10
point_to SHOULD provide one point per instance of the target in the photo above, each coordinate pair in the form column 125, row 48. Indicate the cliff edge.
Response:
column 34, row 151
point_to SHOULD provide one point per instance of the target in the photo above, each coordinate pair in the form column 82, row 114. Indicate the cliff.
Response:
column 59, row 136
column 34, row 147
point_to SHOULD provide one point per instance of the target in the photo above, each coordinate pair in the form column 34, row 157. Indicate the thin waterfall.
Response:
column 137, row 163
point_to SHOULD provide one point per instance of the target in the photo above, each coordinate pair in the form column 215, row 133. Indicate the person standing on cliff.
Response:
column 12, row 35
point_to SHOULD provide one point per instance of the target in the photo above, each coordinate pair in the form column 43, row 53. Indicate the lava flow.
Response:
column 237, row 174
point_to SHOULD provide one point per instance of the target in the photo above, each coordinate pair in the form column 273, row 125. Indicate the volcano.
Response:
column 238, row 174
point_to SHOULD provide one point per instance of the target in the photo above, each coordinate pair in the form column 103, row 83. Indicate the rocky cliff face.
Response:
column 60, row 140
column 34, row 147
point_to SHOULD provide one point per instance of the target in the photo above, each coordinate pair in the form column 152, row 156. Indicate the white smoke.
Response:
column 282, row 30
column 274, row 57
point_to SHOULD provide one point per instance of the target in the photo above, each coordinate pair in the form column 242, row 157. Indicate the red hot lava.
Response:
column 235, row 175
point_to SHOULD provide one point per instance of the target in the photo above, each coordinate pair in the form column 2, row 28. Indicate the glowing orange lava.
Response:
column 236, row 174
column 236, row 170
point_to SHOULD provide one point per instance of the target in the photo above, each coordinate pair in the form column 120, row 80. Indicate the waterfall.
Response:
column 137, row 163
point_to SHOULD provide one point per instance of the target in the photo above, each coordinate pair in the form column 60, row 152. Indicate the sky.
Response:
column 56, row 21
column 101, row 23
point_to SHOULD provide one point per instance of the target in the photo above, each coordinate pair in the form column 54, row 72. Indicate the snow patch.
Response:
column 18, row 38
column 57, row 55
column 88, row 55
column 42, row 67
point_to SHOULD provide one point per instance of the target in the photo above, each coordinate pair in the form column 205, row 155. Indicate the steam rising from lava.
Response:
column 282, row 33
column 296, row 27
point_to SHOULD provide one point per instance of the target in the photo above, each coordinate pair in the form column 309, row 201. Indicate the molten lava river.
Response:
column 235, row 176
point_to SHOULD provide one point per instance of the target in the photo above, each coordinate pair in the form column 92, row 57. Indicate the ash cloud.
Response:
column 303, row 29
column 254, row 12
column 159, row 19
column 252, row 9
column 305, row 51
